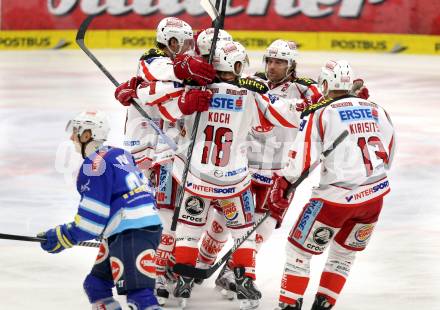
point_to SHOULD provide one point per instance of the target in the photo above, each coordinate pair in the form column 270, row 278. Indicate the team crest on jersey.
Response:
column 216, row 227
column 145, row 263
column 117, row 268
column 273, row 98
column 322, row 235
column 194, row 205
column 102, row 253
column 85, row 187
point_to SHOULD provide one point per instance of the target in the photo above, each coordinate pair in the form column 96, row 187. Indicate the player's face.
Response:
column 276, row 69
column 226, row 76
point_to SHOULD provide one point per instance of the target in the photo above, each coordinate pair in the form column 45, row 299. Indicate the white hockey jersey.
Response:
column 355, row 172
column 219, row 164
column 269, row 146
column 145, row 144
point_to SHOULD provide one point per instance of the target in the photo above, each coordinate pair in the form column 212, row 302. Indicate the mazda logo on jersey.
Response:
column 322, row 235
column 194, row 205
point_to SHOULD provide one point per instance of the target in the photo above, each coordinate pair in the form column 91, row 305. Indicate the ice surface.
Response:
column 41, row 90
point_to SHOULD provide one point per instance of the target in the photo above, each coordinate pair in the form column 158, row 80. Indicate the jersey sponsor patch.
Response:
column 354, row 114
column 102, row 253
column 209, row 189
column 145, row 263
column 307, row 219
column 229, row 210
column 227, row 103
column 369, row 191
column 194, row 205
column 117, row 268
column 360, row 235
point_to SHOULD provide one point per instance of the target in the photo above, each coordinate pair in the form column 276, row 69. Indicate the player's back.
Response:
column 114, row 193
column 355, row 171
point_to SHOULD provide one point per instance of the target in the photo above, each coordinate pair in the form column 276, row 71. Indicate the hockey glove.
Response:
column 277, row 202
column 359, row 90
column 57, row 239
column 301, row 105
column 125, row 92
column 194, row 100
column 188, row 67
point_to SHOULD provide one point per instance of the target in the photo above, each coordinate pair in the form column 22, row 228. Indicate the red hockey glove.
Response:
column 125, row 92
column 277, row 203
column 188, row 67
column 359, row 89
column 195, row 100
column 303, row 104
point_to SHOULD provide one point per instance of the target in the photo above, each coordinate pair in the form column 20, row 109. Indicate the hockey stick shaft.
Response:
column 193, row 272
column 181, row 189
column 306, row 173
column 80, row 41
column 38, row 239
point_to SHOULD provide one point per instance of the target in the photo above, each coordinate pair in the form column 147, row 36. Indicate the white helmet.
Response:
column 172, row 27
column 227, row 54
column 95, row 121
column 338, row 74
column 281, row 49
column 204, row 40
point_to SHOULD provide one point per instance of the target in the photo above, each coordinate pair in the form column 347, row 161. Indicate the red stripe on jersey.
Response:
column 147, row 73
column 390, row 146
column 152, row 88
column 308, row 143
column 166, row 97
column 265, row 124
column 166, row 114
column 279, row 118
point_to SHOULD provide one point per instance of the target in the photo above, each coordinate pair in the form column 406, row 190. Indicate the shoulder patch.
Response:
column 305, row 81
column 151, row 53
column 253, row 85
column 321, row 104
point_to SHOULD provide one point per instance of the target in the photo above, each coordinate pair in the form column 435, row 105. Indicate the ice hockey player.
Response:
column 344, row 208
column 116, row 204
column 213, row 175
column 165, row 69
column 268, row 151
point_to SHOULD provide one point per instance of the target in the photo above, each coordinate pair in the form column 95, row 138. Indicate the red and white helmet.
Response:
column 338, row 74
column 227, row 54
column 95, row 121
column 282, row 49
column 204, row 40
column 172, row 27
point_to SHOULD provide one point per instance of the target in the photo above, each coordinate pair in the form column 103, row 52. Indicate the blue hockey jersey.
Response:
column 115, row 196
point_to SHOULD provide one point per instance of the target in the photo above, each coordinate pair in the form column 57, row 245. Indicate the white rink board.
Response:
column 41, row 90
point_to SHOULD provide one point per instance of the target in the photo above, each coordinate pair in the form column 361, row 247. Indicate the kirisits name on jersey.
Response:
column 226, row 102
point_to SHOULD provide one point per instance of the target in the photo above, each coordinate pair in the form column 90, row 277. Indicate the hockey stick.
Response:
column 306, row 173
column 199, row 273
column 136, row 103
column 38, row 239
column 213, row 13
